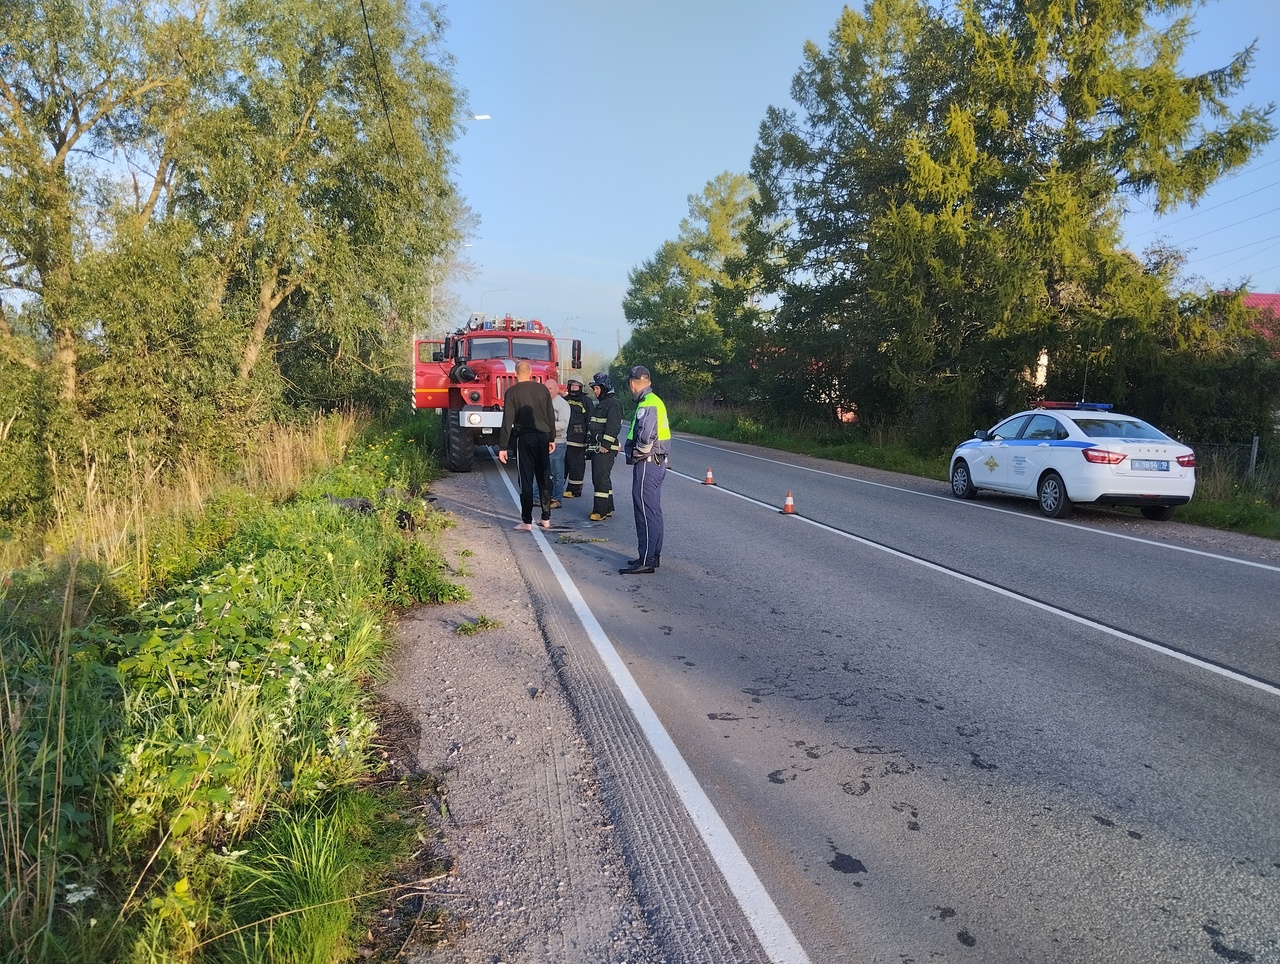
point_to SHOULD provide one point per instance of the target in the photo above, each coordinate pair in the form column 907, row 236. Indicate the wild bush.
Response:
column 150, row 742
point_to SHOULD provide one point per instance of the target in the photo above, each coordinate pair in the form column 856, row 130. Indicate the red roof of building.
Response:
column 1270, row 304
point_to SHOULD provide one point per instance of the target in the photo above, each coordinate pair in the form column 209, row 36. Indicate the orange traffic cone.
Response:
column 789, row 506
column 709, row 480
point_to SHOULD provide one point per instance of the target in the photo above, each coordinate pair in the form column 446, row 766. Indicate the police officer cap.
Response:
column 602, row 379
column 639, row 371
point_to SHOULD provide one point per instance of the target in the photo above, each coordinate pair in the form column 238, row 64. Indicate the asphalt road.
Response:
column 958, row 731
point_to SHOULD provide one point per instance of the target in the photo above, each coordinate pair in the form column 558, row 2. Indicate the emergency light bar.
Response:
column 1081, row 406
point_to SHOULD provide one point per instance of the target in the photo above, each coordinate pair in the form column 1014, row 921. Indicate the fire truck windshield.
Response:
column 534, row 349
column 488, row 348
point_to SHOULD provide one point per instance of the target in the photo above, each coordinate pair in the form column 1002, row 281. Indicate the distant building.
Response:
column 1268, row 308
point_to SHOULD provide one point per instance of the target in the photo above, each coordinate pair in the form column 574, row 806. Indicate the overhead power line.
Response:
column 1250, row 257
column 377, row 77
column 1228, row 227
column 1213, row 207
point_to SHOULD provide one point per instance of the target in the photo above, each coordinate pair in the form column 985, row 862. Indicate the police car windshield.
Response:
column 1122, row 427
column 534, row 349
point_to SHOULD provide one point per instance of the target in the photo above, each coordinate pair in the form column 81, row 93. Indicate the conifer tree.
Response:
column 949, row 191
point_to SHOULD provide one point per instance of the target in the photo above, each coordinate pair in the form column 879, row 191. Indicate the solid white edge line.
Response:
column 770, row 928
column 1010, row 594
column 987, row 508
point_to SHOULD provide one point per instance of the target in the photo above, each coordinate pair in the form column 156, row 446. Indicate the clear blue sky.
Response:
column 606, row 116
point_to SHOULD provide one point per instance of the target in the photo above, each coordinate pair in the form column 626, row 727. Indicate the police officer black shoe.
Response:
column 657, row 562
column 636, row 571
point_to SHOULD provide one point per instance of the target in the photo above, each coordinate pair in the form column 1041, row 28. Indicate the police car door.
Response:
column 1031, row 449
column 990, row 467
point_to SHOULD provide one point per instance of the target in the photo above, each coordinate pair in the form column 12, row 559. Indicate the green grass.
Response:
column 1223, row 499
column 1226, row 500
column 481, row 623
column 183, row 776
column 294, row 892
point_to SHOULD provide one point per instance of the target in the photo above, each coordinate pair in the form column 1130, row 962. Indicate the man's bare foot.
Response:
column 524, row 526
column 545, row 523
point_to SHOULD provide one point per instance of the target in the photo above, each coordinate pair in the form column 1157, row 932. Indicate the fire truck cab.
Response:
column 466, row 374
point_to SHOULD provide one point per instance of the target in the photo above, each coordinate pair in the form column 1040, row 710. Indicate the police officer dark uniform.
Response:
column 606, row 423
column 581, row 408
column 647, row 449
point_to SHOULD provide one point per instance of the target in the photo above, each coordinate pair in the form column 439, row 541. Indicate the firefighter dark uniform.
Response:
column 581, row 408
column 647, row 450
column 606, row 423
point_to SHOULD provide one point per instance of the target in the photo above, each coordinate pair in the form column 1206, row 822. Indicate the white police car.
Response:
column 1062, row 453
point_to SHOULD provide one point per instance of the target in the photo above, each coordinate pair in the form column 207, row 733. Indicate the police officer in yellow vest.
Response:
column 647, row 448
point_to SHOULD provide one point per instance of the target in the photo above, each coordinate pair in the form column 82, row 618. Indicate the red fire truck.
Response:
column 466, row 374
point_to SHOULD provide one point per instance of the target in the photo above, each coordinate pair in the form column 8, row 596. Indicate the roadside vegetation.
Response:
column 478, row 625
column 202, row 545
column 929, row 238
column 189, row 761
column 1226, row 497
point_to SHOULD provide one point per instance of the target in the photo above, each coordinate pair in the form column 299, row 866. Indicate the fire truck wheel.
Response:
column 459, row 445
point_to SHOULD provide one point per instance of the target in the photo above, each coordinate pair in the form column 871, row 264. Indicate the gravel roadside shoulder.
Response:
column 567, row 841
column 538, row 871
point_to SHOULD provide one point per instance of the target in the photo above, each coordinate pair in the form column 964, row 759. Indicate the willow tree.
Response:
column 76, row 79
column 317, row 176
column 207, row 208
column 952, row 183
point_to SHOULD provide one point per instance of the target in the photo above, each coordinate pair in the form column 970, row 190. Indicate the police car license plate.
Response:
column 1150, row 465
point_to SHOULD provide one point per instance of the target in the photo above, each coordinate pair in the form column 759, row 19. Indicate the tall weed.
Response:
column 58, row 712
column 142, row 741
column 142, row 523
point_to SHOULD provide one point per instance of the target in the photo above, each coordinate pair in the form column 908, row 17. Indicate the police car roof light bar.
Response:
column 1080, row 406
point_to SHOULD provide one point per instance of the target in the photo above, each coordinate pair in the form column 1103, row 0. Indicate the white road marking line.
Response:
column 987, row 508
column 1010, row 594
column 771, row 929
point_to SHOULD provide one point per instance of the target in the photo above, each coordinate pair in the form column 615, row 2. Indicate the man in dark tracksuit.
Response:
column 581, row 408
column 606, row 423
column 527, row 411
column 647, row 449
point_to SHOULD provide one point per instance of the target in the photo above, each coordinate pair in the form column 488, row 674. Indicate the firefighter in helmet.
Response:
column 581, row 408
column 606, row 423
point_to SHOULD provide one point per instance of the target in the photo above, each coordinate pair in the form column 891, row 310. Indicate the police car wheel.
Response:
column 961, row 481
column 1053, row 496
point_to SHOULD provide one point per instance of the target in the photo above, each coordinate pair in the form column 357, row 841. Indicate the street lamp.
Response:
column 491, row 291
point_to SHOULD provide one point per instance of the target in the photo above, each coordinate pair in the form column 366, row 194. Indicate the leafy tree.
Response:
column 209, row 209
column 948, row 195
column 75, row 79
column 682, row 303
column 317, row 175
